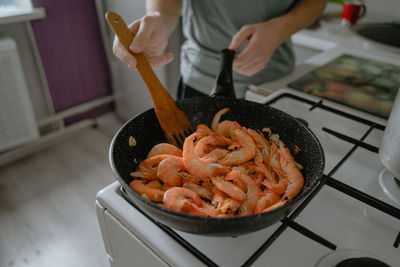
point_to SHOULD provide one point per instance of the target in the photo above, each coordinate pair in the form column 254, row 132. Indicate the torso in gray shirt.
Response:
column 209, row 26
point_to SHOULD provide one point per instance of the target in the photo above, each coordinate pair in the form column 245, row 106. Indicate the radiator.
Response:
column 17, row 121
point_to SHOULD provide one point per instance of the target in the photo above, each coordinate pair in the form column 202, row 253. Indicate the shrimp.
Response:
column 217, row 117
column 258, row 156
column 184, row 200
column 258, row 138
column 168, row 171
column 201, row 191
column 275, row 206
column 246, row 152
column 205, row 144
column 189, row 178
column 145, row 174
column 153, row 194
column 204, row 130
column 269, row 199
column 253, row 191
column 230, row 205
column 164, row 148
column 209, row 209
column 218, row 198
column 270, row 182
column 206, row 183
column 256, row 176
column 290, row 172
column 229, row 188
column 166, row 187
column 278, row 188
column 203, row 182
column 197, row 166
column 266, row 155
column 216, row 154
column 239, row 183
column 274, row 160
column 148, row 167
column 262, row 144
column 154, row 161
column 155, row 184
column 227, row 129
column 246, row 165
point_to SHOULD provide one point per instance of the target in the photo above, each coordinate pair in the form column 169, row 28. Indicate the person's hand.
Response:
column 151, row 38
column 262, row 40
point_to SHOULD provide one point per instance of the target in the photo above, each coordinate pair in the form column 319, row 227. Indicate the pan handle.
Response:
column 224, row 83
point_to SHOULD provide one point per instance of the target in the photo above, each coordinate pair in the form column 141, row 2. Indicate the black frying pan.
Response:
column 147, row 132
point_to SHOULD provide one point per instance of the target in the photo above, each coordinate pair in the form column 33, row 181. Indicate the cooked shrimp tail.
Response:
column 217, row 117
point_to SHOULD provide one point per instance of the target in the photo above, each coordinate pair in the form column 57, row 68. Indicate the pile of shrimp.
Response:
column 227, row 170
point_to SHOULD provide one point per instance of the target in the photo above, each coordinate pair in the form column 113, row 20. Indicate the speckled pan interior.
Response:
column 147, row 132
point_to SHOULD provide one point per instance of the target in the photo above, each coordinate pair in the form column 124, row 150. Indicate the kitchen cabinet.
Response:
column 72, row 52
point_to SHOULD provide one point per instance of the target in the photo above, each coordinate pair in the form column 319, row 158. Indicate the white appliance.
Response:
column 131, row 95
column 17, row 121
column 389, row 152
column 390, row 148
column 348, row 215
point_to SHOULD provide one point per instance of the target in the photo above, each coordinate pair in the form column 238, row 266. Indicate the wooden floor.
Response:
column 47, row 210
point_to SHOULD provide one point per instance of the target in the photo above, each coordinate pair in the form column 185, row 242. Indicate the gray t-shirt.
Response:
column 209, row 26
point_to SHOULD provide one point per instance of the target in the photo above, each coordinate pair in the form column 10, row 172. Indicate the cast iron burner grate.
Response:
column 326, row 180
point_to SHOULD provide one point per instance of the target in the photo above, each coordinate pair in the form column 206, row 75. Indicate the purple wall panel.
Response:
column 72, row 52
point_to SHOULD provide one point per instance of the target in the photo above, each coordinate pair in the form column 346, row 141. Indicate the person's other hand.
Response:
column 262, row 40
column 151, row 38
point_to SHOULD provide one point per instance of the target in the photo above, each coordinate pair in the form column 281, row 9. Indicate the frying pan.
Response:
column 147, row 132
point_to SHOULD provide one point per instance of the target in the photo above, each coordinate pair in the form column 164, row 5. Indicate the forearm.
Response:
column 300, row 16
column 169, row 10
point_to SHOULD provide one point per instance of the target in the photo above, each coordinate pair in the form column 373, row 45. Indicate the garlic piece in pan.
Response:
column 132, row 141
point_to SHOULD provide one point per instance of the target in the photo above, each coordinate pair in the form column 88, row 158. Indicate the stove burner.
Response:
column 362, row 262
column 304, row 122
column 350, row 258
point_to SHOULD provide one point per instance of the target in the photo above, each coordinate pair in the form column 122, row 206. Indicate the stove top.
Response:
column 347, row 211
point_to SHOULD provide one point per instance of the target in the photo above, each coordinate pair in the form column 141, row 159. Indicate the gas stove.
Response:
column 347, row 215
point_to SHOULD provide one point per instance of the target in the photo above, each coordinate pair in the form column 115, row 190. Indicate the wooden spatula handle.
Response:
column 125, row 37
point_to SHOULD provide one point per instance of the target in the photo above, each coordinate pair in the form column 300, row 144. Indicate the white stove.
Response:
column 333, row 223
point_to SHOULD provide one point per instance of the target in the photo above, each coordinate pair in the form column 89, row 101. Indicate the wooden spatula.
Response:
column 173, row 121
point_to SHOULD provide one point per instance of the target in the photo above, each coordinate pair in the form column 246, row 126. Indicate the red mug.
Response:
column 351, row 12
